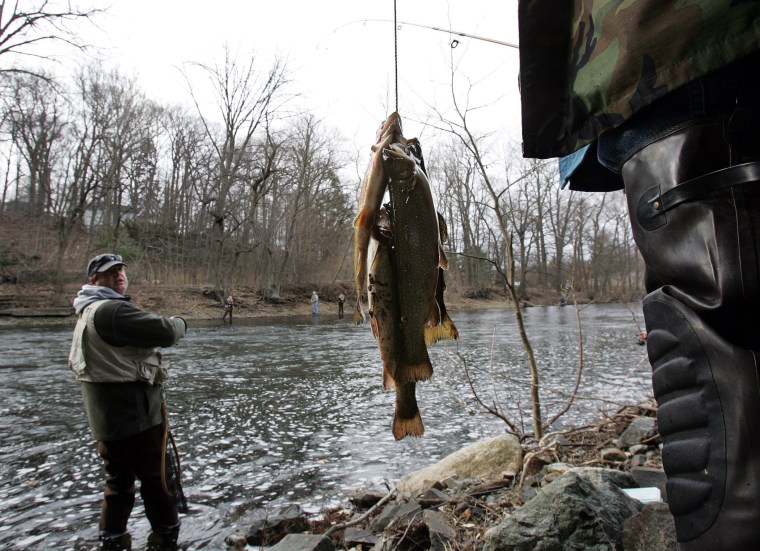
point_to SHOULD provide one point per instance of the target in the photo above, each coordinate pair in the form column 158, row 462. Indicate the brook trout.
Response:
column 416, row 256
column 373, row 189
column 382, row 293
column 399, row 258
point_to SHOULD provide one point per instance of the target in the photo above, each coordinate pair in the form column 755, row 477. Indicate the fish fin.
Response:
column 408, row 372
column 359, row 313
column 434, row 318
column 443, row 262
column 406, row 419
column 445, row 331
column 387, row 378
column 443, row 229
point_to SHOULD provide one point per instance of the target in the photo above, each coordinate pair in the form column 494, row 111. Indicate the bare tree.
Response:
column 27, row 26
column 248, row 100
column 35, row 124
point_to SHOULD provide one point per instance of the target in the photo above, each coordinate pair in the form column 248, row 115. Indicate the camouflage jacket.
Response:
column 588, row 65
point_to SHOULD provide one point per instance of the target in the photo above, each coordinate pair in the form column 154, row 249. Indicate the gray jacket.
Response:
column 114, row 356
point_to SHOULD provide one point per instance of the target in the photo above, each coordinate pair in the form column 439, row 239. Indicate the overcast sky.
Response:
column 340, row 52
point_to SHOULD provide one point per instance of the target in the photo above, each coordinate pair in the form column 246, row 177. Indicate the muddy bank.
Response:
column 35, row 305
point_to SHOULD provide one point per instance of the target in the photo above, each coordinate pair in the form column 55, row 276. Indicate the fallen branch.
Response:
column 361, row 518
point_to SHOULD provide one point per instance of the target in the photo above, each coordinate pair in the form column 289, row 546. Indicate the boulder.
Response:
column 488, row 460
column 638, row 431
column 440, row 530
column 583, row 509
column 356, row 536
column 304, row 542
column 653, row 529
column 268, row 528
column 396, row 514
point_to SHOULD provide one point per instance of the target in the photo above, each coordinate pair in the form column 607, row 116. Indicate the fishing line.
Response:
column 395, row 49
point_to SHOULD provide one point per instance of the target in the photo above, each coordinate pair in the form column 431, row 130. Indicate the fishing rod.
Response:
column 458, row 33
column 449, row 31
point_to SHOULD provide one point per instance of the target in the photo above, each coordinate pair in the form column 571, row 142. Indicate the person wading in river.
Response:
column 116, row 361
column 229, row 306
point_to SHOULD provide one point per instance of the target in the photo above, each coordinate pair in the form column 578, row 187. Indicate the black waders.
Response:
column 695, row 211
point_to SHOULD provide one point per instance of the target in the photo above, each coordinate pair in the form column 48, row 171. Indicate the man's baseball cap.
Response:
column 103, row 262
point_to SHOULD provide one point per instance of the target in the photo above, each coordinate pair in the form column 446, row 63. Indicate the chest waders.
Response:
column 695, row 212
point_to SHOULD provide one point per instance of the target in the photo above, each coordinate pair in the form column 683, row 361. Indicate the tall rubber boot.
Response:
column 696, row 221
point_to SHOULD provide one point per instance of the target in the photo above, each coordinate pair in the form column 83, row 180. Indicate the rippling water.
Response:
column 273, row 412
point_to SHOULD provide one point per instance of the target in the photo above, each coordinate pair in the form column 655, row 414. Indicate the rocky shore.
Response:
column 599, row 487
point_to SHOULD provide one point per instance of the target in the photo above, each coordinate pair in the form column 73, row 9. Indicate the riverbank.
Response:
column 34, row 305
column 495, row 493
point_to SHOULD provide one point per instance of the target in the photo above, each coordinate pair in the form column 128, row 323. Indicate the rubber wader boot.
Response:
column 163, row 541
column 121, row 542
column 696, row 221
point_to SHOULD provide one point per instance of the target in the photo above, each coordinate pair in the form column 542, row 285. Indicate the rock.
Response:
column 356, row 536
column 640, row 429
column 269, row 528
column 638, row 449
column 651, row 476
column 405, row 538
column 395, row 513
column 236, row 540
column 612, row 455
column 652, row 529
column 638, row 460
column 304, row 542
column 432, row 498
column 553, row 471
column 365, row 499
column 488, row 460
column 440, row 531
column 488, row 487
column 583, row 509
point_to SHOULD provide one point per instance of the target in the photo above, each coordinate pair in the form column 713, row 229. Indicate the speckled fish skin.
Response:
column 373, row 189
column 416, row 256
column 382, row 298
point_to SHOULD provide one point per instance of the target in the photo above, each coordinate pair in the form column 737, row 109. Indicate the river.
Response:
column 271, row 412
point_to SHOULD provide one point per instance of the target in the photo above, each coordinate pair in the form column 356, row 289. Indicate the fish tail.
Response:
column 406, row 419
column 445, row 331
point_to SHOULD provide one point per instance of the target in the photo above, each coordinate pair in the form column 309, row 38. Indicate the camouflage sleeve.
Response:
column 590, row 67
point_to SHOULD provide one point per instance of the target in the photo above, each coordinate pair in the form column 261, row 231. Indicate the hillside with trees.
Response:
column 261, row 193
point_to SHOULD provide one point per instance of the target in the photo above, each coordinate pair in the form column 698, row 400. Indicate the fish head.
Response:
column 391, row 127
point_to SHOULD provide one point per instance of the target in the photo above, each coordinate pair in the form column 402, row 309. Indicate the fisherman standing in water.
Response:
column 114, row 354
column 229, row 306
column 341, row 300
column 314, row 303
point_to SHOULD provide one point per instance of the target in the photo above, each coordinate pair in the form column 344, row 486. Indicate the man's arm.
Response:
column 123, row 324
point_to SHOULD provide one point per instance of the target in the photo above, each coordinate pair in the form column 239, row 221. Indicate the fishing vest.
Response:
column 93, row 360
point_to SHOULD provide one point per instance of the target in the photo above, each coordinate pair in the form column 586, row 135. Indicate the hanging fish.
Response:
column 398, row 256
column 373, row 189
column 382, row 300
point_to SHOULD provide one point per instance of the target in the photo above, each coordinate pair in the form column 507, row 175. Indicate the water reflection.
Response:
column 268, row 413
